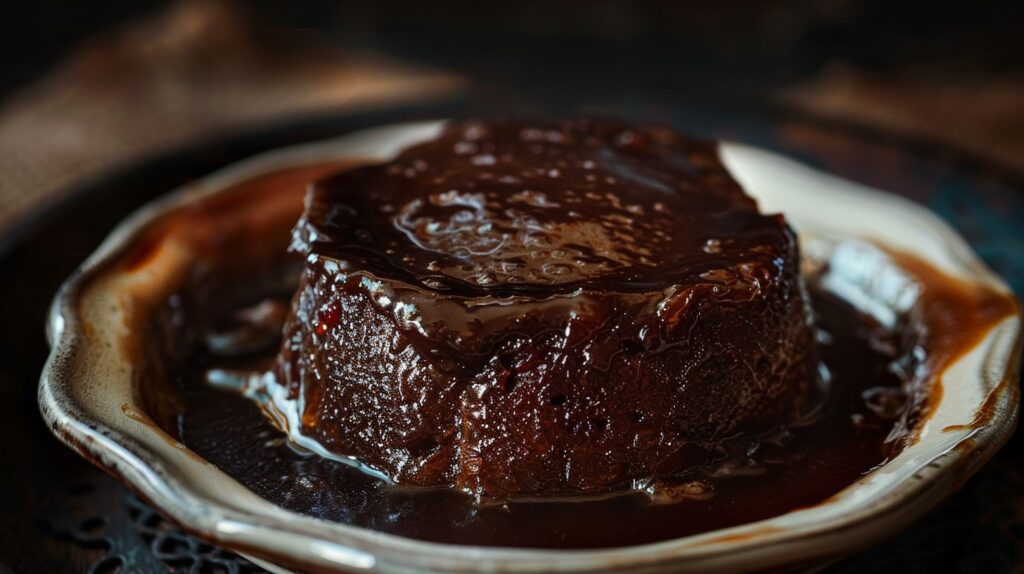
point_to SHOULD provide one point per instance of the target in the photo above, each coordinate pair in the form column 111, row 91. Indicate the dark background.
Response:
column 954, row 63
column 737, row 49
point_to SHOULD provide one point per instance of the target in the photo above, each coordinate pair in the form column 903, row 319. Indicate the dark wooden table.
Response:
column 60, row 514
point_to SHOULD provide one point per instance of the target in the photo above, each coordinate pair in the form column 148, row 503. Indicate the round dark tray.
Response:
column 58, row 513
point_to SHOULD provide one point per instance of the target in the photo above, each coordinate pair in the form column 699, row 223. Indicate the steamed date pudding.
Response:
column 526, row 310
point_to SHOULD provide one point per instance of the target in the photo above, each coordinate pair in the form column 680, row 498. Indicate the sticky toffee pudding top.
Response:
column 506, row 208
column 543, row 309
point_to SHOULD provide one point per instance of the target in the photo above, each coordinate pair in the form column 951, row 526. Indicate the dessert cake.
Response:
column 544, row 309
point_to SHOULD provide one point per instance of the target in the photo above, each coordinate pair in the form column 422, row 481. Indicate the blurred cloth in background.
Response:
column 198, row 69
column 979, row 114
column 946, row 77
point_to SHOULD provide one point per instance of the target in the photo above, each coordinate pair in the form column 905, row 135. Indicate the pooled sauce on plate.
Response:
column 884, row 352
column 230, row 431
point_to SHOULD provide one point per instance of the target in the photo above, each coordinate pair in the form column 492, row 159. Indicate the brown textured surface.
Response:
column 974, row 113
column 676, row 324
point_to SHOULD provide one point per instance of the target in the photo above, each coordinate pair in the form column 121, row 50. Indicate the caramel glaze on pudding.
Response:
column 544, row 309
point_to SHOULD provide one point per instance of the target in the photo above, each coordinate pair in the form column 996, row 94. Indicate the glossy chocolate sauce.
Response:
column 537, row 309
column 504, row 207
column 887, row 326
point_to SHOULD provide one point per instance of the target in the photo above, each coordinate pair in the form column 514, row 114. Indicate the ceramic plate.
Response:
column 91, row 393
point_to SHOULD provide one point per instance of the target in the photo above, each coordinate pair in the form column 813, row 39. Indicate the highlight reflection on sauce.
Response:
column 958, row 316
